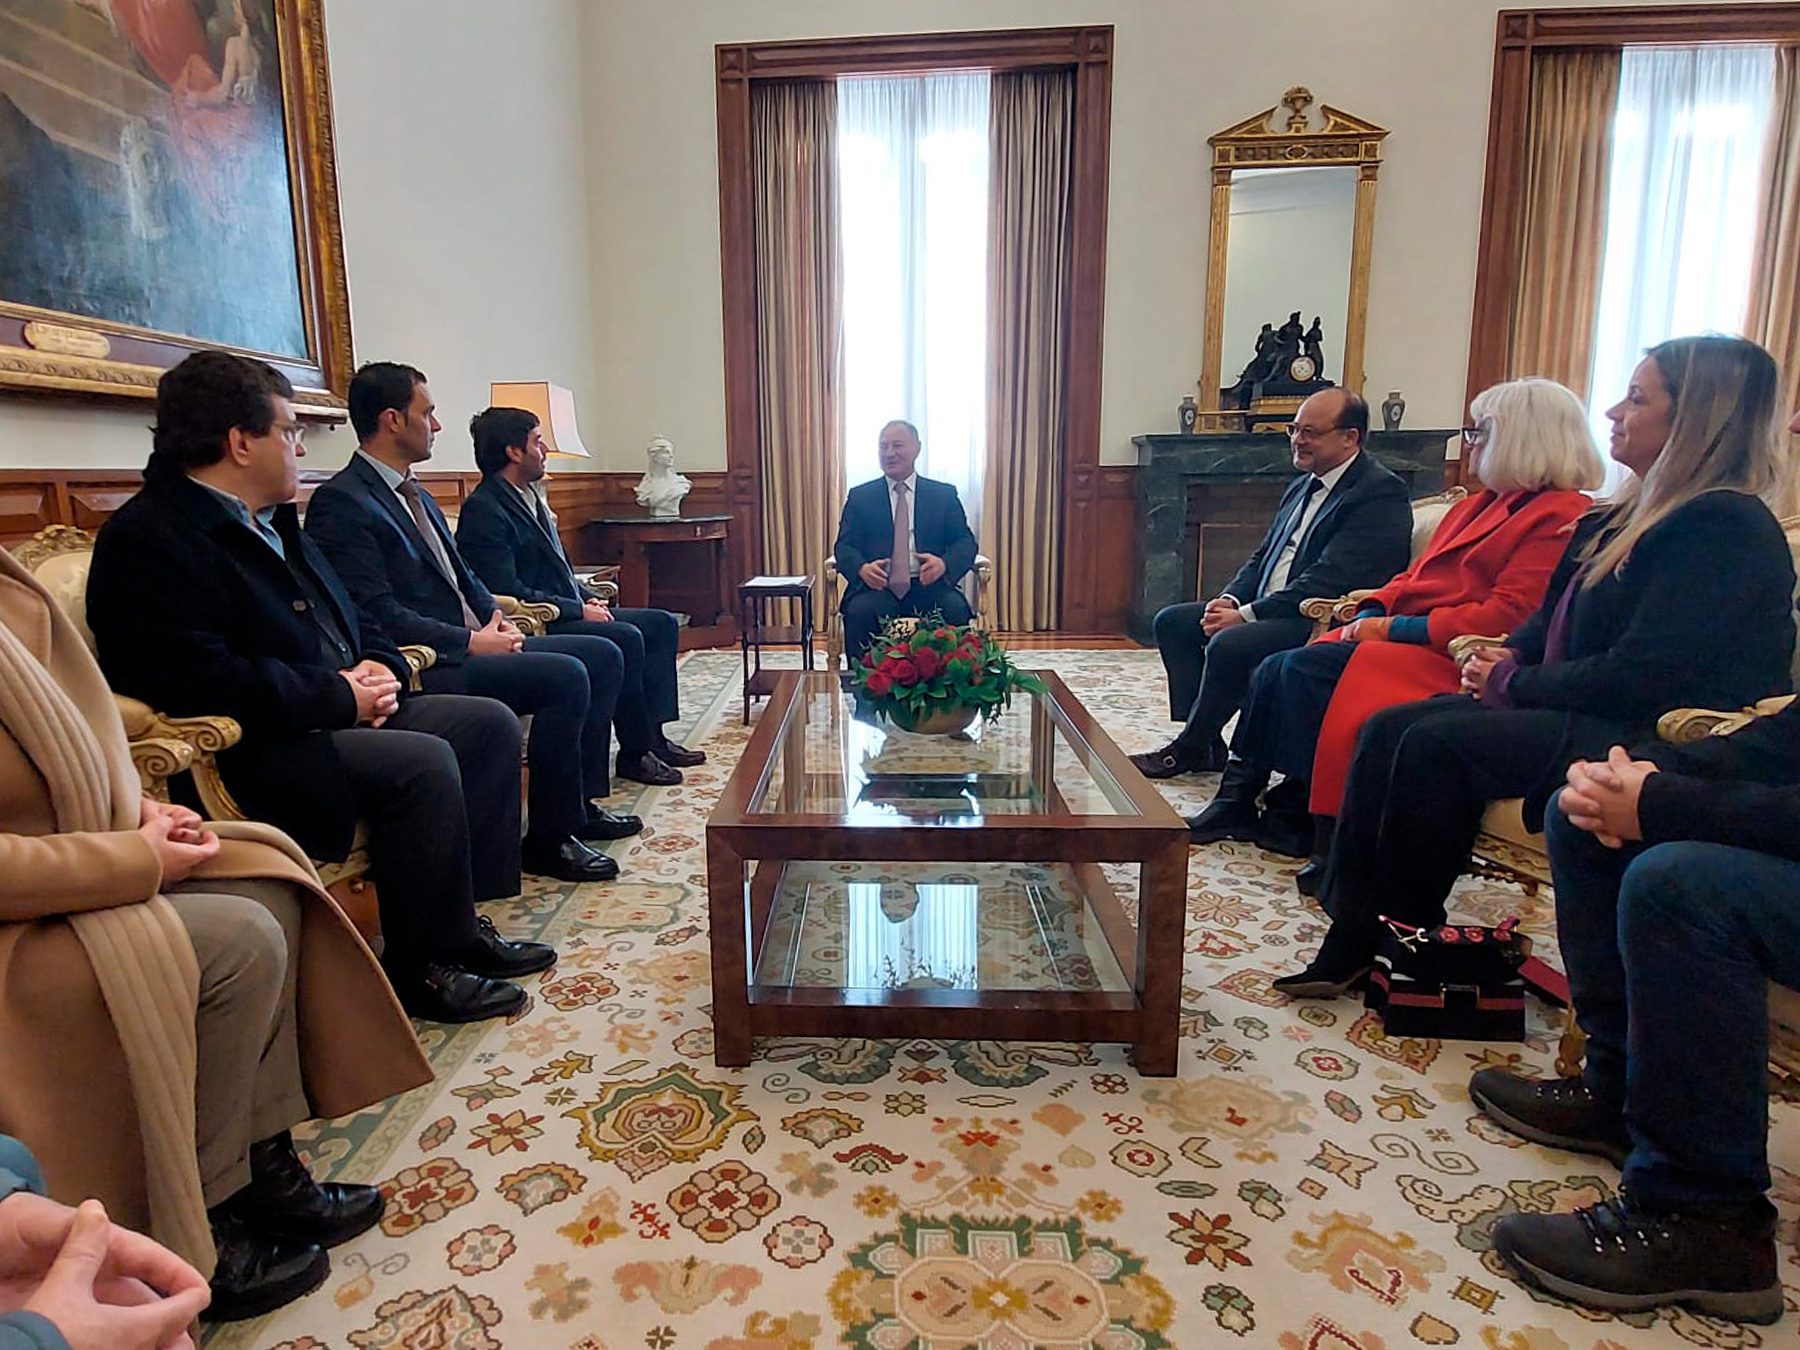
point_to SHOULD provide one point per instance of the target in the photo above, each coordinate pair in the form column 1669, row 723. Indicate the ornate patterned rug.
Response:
column 584, row 1178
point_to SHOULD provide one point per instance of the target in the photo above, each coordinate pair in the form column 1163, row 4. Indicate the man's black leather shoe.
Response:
column 679, row 756
column 500, row 958
column 1224, row 820
column 282, row 1199
column 257, row 1273
column 647, row 768
column 602, row 825
column 571, row 860
column 446, row 993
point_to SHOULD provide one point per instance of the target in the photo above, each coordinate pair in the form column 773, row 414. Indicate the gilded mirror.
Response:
column 1287, row 278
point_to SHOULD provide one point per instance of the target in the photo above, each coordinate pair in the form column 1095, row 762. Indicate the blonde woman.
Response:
column 1485, row 570
column 1680, row 593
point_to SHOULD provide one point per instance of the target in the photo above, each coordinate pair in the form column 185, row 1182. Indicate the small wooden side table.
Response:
column 705, row 593
column 756, row 632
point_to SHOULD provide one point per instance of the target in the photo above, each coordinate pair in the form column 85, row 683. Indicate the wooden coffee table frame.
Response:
column 1149, row 952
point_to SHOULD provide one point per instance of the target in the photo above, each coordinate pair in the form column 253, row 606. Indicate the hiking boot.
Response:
column 1622, row 1257
column 1559, row 1112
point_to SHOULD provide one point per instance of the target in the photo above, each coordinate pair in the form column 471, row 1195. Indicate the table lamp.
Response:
column 555, row 409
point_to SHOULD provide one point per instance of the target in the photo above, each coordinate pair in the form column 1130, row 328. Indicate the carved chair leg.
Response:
column 356, row 897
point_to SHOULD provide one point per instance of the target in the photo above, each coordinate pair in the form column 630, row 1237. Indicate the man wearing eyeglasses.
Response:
column 1344, row 523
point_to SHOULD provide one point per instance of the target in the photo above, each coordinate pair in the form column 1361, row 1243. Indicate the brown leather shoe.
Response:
column 647, row 768
column 679, row 756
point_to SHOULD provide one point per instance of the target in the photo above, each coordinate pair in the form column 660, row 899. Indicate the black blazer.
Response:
column 1741, row 790
column 1701, row 615
column 866, row 530
column 504, row 545
column 1360, row 539
column 194, row 614
column 367, row 532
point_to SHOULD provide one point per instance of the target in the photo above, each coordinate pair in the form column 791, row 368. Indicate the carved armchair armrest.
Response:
column 1461, row 648
column 531, row 617
column 1683, row 725
column 418, row 660
column 163, row 746
column 983, row 571
column 603, row 582
column 1326, row 612
column 157, row 759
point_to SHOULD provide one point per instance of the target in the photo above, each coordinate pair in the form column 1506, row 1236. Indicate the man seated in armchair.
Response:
column 507, row 534
column 389, row 541
column 903, row 544
column 205, row 597
column 1677, row 874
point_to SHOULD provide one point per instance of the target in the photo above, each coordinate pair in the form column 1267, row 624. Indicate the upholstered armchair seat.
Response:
column 982, row 570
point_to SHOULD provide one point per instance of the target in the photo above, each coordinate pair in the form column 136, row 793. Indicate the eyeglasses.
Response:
column 291, row 432
column 1477, row 436
column 1297, row 432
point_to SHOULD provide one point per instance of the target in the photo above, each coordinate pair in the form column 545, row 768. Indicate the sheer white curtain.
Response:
column 1687, row 171
column 913, row 209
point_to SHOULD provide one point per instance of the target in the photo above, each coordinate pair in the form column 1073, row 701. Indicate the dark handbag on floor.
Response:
column 1455, row 982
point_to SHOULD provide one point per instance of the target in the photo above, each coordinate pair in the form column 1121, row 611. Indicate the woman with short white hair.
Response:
column 1486, row 569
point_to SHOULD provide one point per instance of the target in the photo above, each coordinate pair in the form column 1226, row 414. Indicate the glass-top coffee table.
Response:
column 1020, row 881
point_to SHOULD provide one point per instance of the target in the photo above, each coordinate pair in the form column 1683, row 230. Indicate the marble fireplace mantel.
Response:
column 1170, row 527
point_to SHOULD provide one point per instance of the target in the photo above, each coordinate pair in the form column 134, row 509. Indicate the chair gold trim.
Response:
column 982, row 570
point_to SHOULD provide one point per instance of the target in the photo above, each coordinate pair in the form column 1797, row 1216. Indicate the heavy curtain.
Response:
column 1031, row 132
column 799, row 286
column 1774, row 317
column 1573, row 97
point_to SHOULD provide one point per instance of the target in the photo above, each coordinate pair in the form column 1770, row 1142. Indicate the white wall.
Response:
column 462, row 167
column 530, row 189
column 1183, row 69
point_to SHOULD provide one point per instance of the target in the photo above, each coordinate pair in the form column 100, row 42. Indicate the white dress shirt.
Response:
column 912, row 516
column 1284, row 565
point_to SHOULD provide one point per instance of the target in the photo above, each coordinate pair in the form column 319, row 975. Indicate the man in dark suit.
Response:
column 1677, row 876
column 507, row 535
column 389, row 541
column 903, row 543
column 205, row 597
column 1343, row 524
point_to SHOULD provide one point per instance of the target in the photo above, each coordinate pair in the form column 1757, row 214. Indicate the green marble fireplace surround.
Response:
column 1204, row 501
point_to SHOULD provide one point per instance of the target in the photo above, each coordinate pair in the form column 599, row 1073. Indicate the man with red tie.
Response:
column 904, row 544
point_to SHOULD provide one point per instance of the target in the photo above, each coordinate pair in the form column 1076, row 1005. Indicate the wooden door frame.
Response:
column 1086, row 50
column 1520, row 35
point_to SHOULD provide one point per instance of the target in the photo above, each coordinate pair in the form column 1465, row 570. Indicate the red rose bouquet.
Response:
column 921, row 672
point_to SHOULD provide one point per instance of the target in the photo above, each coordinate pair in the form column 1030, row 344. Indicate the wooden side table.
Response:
column 755, row 631
column 701, row 591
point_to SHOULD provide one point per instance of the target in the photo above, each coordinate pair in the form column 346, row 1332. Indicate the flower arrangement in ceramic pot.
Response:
column 936, row 678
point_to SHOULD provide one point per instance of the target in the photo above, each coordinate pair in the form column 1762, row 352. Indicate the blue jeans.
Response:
column 1668, row 950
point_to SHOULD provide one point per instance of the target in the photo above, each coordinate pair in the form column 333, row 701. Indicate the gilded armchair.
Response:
column 163, row 746
column 982, row 570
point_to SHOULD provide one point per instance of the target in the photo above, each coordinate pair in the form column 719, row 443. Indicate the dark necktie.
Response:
column 428, row 535
column 1298, row 513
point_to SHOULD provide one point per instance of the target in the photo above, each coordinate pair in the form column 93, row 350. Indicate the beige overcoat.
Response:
column 66, row 1067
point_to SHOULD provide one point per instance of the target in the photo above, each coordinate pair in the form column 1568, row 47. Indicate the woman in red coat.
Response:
column 1485, row 571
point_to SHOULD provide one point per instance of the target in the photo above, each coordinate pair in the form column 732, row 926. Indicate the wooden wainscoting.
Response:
column 1116, row 545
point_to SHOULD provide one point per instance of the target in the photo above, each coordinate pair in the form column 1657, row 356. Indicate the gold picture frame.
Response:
column 184, row 120
column 1341, row 140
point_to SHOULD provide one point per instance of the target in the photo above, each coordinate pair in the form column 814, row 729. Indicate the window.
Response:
column 913, row 210
column 1688, row 143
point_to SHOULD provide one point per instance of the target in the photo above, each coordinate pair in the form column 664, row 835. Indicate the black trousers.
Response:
column 438, row 787
column 570, row 687
column 648, row 692
column 1422, row 776
column 866, row 611
column 1289, row 695
column 1208, row 677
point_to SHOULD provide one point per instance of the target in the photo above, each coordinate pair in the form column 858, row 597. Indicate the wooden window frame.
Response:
column 1087, row 50
column 1521, row 35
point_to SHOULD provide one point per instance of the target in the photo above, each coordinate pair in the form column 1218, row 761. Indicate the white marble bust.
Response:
column 661, row 488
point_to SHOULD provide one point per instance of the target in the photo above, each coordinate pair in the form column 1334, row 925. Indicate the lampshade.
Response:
column 555, row 409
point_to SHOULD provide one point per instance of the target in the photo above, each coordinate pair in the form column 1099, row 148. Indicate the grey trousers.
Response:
column 243, row 932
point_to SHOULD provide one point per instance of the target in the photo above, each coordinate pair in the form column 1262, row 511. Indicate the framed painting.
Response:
column 168, row 182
